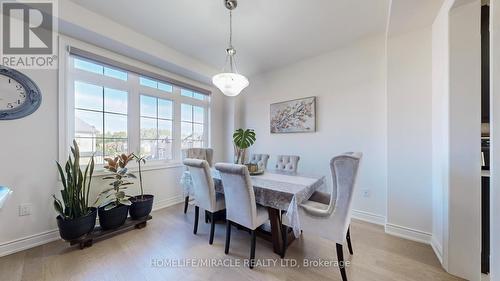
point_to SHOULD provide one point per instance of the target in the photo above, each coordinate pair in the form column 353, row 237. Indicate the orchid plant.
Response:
column 140, row 161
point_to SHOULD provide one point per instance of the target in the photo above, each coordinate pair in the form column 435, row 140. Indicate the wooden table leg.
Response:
column 276, row 230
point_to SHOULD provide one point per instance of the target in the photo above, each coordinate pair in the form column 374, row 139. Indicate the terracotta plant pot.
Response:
column 113, row 218
column 141, row 206
column 76, row 228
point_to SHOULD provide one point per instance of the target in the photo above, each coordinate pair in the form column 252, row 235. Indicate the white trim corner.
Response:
column 408, row 233
column 368, row 217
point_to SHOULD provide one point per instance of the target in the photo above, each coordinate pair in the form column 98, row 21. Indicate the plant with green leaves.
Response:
column 115, row 195
column 140, row 161
column 242, row 140
column 76, row 186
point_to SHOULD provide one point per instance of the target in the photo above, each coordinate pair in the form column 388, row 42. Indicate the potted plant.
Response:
column 75, row 218
column 242, row 140
column 142, row 204
column 113, row 202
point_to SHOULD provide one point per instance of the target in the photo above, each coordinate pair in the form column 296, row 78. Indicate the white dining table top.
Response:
column 280, row 181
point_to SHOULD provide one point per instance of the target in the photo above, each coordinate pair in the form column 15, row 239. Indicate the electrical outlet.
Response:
column 25, row 210
column 366, row 193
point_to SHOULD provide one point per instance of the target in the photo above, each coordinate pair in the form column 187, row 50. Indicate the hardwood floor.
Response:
column 142, row 255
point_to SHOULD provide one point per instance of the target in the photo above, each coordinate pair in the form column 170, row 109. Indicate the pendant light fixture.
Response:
column 229, row 82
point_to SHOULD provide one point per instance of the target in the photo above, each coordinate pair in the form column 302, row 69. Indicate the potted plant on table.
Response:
column 242, row 140
column 142, row 204
column 75, row 218
column 113, row 202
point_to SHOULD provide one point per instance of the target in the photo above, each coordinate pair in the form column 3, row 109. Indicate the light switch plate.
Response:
column 366, row 193
column 25, row 210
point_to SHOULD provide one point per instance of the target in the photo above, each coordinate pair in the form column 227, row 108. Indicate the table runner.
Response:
column 275, row 189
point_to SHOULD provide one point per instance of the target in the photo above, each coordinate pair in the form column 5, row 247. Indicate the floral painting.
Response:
column 294, row 116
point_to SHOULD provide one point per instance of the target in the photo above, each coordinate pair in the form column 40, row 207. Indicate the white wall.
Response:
column 349, row 84
column 495, row 145
column 440, row 132
column 29, row 146
column 456, row 142
column 409, row 133
column 464, row 257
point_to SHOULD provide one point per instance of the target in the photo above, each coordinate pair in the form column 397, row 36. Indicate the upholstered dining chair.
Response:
column 240, row 203
column 197, row 153
column 287, row 163
column 329, row 215
column 204, row 191
column 260, row 160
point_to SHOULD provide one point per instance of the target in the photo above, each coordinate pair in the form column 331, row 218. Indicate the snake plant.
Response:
column 76, row 186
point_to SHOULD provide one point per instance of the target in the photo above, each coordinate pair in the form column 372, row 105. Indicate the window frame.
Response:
column 157, row 119
column 68, row 74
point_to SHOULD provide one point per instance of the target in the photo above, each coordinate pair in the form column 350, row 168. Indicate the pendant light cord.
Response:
column 230, row 50
column 232, row 64
column 230, row 29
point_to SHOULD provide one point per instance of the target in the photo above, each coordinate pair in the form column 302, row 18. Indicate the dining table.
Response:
column 280, row 192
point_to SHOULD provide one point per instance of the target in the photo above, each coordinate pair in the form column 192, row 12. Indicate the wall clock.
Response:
column 19, row 95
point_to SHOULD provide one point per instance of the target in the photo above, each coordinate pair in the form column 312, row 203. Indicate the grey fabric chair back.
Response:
column 203, row 183
column 199, row 153
column 260, row 160
column 344, row 169
column 239, row 194
column 288, row 163
column 331, row 220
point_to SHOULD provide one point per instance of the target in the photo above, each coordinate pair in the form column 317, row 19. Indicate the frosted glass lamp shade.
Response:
column 230, row 84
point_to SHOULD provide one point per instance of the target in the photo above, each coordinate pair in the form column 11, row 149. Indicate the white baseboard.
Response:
column 408, row 233
column 438, row 249
column 368, row 217
column 168, row 202
column 28, row 242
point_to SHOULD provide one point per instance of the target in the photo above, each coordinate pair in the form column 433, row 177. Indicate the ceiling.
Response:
column 267, row 34
column 407, row 15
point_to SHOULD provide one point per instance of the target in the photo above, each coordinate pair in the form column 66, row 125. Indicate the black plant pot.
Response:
column 141, row 206
column 113, row 218
column 75, row 228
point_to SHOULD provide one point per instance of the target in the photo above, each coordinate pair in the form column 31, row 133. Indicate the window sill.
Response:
column 150, row 166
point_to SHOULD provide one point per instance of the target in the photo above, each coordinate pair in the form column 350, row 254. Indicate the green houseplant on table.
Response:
column 113, row 202
column 142, row 204
column 75, row 218
column 242, row 140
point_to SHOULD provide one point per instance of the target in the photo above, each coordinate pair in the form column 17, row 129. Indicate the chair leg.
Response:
column 186, row 203
column 252, row 249
column 285, row 240
column 196, row 215
column 212, row 228
column 340, row 258
column 206, row 216
column 228, row 236
column 348, row 238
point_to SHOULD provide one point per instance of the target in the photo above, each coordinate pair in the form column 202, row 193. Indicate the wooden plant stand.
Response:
column 99, row 233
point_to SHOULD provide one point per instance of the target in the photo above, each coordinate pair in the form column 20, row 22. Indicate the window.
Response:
column 100, row 69
column 156, row 127
column 144, row 81
column 117, row 111
column 100, row 120
column 191, row 94
column 192, row 126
